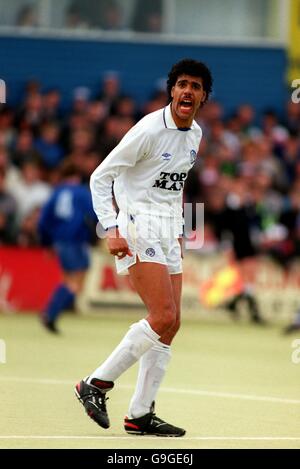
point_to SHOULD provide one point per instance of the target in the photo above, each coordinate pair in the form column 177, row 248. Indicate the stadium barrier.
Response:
column 208, row 281
column 28, row 277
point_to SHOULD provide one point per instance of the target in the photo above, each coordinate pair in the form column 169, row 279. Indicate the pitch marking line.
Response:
column 201, row 438
column 195, row 392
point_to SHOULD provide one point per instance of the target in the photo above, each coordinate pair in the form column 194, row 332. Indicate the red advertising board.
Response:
column 27, row 278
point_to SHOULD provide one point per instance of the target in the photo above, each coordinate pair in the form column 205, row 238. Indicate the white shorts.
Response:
column 152, row 239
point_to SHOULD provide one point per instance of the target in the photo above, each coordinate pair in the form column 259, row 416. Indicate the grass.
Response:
column 231, row 385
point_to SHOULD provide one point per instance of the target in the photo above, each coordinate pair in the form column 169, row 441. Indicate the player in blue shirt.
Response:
column 67, row 223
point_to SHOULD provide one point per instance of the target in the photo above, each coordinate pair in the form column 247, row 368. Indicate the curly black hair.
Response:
column 195, row 69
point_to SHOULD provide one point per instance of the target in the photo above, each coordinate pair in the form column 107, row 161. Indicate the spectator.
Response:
column 27, row 235
column 23, row 149
column 246, row 116
column 7, row 130
column 124, row 107
column 51, row 103
column 47, row 144
column 292, row 119
column 104, row 14
column 96, row 114
column 30, row 115
column 12, row 175
column 114, row 129
column 27, row 17
column 111, row 88
column 287, row 249
column 30, row 192
column 112, row 16
column 7, row 212
column 158, row 99
column 73, row 18
column 290, row 156
column 148, row 16
column 81, row 97
column 272, row 129
column 82, row 142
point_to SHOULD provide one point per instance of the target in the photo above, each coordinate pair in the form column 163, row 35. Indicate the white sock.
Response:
column 134, row 344
column 153, row 365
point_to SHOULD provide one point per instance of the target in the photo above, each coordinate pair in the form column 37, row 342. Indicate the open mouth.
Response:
column 186, row 105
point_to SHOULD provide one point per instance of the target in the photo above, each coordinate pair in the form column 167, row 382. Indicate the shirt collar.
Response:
column 169, row 121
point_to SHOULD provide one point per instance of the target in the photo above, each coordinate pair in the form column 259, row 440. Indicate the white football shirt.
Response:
column 148, row 168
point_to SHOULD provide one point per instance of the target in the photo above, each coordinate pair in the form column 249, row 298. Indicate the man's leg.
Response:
column 154, row 285
column 176, row 280
column 154, row 362
column 152, row 368
column 248, row 268
column 62, row 298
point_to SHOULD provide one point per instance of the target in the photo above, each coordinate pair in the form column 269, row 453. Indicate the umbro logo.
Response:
column 166, row 156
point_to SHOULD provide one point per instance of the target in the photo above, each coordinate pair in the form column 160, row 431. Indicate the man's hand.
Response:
column 117, row 245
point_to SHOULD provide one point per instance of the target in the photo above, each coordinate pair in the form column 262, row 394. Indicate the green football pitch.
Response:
column 231, row 385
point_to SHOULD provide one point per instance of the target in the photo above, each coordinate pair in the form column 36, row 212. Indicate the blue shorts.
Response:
column 73, row 256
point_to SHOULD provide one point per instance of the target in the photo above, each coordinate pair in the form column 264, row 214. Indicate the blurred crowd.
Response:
column 105, row 15
column 247, row 172
column 248, row 176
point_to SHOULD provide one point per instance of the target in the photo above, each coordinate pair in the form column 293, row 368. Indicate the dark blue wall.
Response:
column 242, row 74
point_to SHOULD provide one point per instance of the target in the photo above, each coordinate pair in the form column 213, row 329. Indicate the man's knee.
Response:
column 168, row 336
column 175, row 328
column 164, row 317
column 75, row 282
column 168, row 321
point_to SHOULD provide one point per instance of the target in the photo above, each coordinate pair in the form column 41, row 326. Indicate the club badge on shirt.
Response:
column 193, row 156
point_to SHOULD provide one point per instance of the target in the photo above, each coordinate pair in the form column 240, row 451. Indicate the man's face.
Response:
column 187, row 94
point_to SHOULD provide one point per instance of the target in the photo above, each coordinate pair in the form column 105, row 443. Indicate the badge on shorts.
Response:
column 150, row 252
